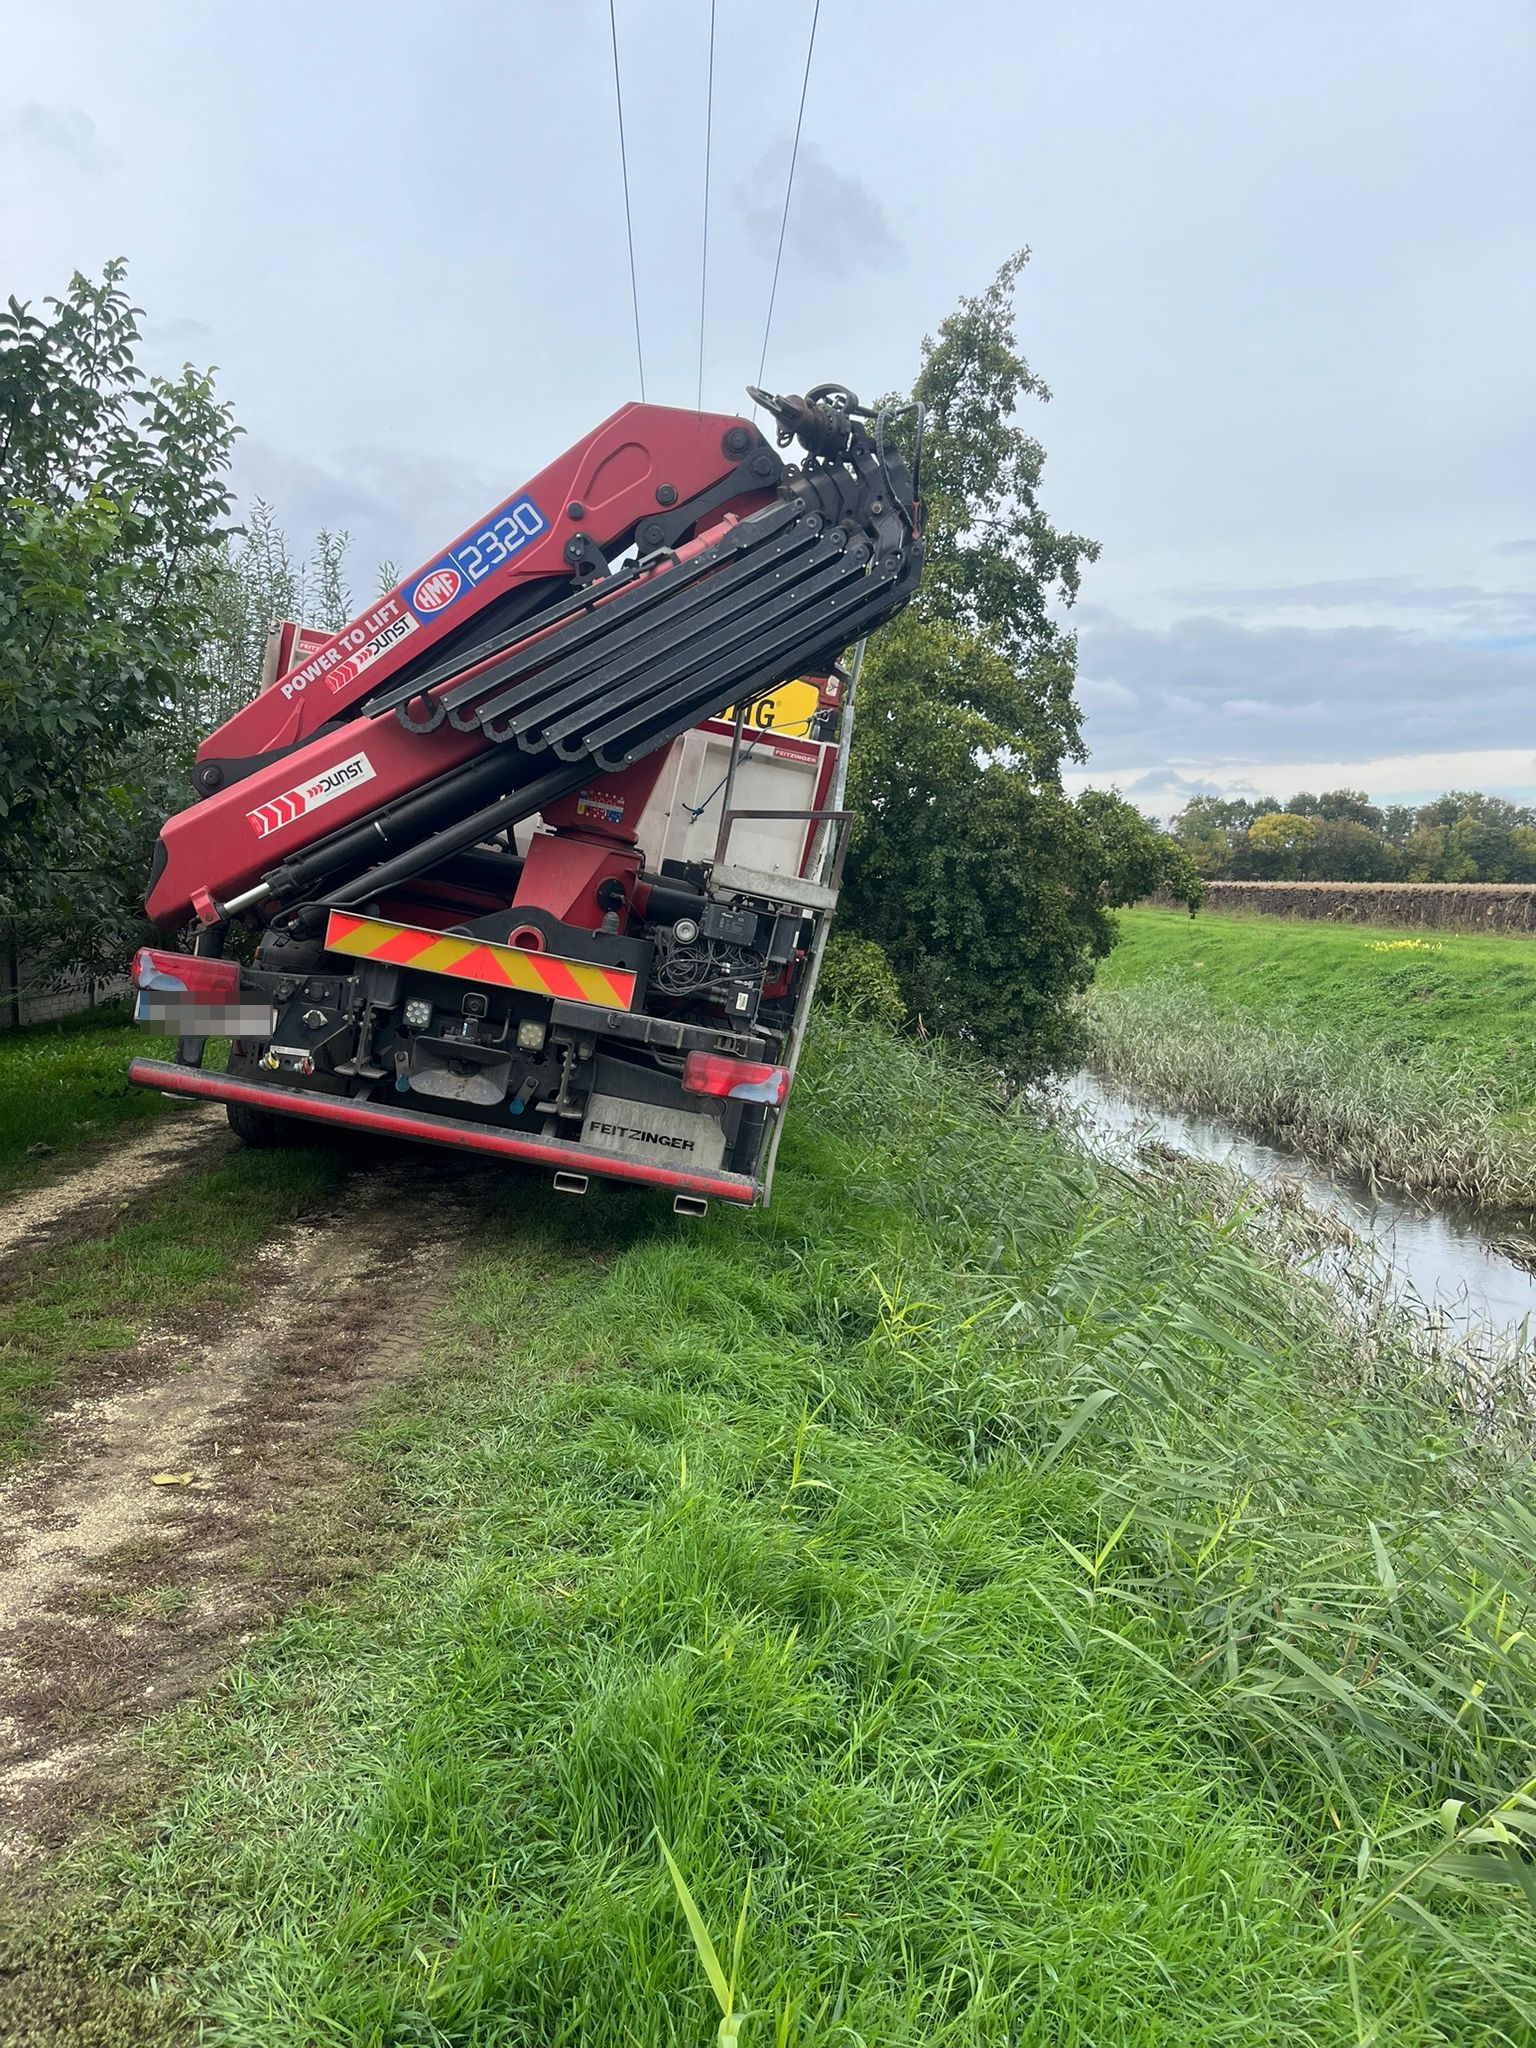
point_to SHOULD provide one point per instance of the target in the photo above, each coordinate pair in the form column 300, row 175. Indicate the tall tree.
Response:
column 997, row 566
column 113, row 494
column 258, row 585
column 989, row 891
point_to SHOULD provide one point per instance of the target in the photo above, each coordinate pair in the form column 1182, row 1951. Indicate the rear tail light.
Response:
column 197, row 997
column 188, row 974
column 711, row 1073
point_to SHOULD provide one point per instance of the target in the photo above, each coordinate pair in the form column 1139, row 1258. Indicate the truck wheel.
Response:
column 257, row 1126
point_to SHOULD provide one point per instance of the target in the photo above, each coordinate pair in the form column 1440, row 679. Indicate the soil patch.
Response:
column 85, row 1199
column 199, row 1488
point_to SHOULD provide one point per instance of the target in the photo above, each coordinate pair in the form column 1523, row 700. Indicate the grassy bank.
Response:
column 1022, row 1613
column 1406, row 1060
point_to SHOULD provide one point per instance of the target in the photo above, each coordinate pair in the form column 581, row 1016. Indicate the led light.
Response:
column 711, row 1073
column 530, row 1037
column 418, row 1014
column 686, row 930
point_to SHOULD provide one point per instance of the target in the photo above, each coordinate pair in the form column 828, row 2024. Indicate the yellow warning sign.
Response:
column 788, row 709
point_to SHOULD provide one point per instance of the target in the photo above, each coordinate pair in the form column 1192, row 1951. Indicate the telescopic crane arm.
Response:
column 669, row 565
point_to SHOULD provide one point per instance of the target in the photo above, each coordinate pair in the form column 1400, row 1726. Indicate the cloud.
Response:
column 1169, row 780
column 176, row 334
column 1104, row 694
column 57, row 131
column 395, row 506
column 1211, row 692
column 836, row 223
column 1388, row 778
column 1516, row 547
column 1466, row 606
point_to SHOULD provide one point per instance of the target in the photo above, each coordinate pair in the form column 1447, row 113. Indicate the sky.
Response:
column 1282, row 288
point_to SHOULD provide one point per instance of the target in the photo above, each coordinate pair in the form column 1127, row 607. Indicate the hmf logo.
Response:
column 436, row 589
column 309, row 796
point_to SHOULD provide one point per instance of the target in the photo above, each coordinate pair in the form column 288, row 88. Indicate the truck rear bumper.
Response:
column 551, row 1153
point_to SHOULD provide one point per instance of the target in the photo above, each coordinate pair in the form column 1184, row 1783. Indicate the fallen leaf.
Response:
column 173, row 1479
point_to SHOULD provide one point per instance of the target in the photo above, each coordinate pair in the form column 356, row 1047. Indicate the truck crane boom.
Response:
column 487, row 759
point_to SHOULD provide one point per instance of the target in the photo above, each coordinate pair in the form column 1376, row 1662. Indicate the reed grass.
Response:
column 1460, row 1003
column 1024, row 1608
column 1412, row 1118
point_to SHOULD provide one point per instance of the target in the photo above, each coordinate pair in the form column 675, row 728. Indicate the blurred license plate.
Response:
column 187, row 1018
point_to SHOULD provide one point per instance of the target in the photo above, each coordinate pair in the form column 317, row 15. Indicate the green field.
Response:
column 1402, row 1060
column 1024, row 1613
column 1465, row 1003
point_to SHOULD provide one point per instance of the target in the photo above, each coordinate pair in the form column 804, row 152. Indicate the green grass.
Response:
column 64, row 1084
column 1461, row 1005
column 1409, row 1062
column 1067, row 1630
column 179, row 1253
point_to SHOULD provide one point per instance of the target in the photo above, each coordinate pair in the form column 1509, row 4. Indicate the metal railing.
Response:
column 837, row 822
column 833, row 826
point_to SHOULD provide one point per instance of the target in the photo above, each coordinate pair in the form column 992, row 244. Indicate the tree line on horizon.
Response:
column 1341, row 836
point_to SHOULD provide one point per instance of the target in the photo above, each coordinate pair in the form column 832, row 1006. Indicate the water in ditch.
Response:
column 1470, row 1288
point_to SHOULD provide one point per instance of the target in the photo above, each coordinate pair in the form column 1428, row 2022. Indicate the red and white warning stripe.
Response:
column 293, row 804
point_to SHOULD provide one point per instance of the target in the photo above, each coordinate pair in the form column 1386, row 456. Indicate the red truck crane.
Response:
column 528, row 859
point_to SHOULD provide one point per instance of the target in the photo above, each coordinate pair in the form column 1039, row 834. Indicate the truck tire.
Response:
column 257, row 1126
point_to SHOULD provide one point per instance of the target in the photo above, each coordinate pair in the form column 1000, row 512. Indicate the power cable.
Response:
column 788, row 191
column 709, row 131
column 629, row 224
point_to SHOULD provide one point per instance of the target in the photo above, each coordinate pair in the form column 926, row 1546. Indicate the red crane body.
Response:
column 318, row 771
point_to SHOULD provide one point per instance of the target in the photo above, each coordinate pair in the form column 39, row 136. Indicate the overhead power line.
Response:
column 789, row 188
column 629, row 223
column 709, row 132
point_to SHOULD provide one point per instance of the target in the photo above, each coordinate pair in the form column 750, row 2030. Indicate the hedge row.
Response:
column 1508, row 907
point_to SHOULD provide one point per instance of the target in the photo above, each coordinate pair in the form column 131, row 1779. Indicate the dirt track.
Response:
column 118, row 1594
column 88, row 1198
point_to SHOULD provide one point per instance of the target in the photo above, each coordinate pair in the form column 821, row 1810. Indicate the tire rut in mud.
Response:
column 120, row 1595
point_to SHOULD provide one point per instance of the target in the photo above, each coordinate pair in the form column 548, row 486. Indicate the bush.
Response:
column 858, row 981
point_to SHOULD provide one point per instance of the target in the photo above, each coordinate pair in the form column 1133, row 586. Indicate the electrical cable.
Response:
column 696, row 811
column 788, row 191
column 798, row 728
column 709, row 132
column 629, row 224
